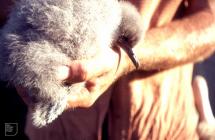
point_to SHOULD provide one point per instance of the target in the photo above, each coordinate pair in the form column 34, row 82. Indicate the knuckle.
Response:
column 83, row 73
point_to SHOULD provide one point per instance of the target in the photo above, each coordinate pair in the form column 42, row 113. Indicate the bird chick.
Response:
column 41, row 35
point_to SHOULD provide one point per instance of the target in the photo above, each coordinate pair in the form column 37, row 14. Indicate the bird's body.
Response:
column 41, row 35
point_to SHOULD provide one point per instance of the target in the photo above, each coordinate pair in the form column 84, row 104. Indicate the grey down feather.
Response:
column 41, row 35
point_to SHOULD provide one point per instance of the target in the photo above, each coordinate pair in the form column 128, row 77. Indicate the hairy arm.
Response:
column 189, row 39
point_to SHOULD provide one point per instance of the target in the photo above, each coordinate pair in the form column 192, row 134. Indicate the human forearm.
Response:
column 182, row 41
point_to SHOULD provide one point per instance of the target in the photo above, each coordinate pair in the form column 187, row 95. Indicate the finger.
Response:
column 62, row 72
column 98, row 86
column 200, row 89
column 82, row 99
column 92, row 91
column 87, row 69
column 101, row 83
column 86, row 98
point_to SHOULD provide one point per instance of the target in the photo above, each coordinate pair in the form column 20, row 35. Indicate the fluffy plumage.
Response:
column 43, row 34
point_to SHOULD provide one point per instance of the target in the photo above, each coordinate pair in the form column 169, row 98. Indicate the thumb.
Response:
column 84, row 70
column 200, row 89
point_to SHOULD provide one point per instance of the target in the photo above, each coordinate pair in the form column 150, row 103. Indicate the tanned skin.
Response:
column 194, row 34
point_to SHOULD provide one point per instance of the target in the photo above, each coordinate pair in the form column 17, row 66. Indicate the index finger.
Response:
column 83, row 70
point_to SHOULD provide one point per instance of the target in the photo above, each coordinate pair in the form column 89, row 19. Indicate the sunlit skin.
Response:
column 166, row 54
column 151, row 59
column 157, row 40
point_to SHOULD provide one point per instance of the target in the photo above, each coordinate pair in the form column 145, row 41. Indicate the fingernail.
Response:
column 62, row 72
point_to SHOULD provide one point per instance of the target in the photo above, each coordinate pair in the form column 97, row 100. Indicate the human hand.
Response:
column 98, row 73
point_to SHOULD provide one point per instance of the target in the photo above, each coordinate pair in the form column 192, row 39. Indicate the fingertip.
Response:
column 62, row 72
